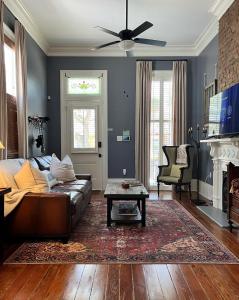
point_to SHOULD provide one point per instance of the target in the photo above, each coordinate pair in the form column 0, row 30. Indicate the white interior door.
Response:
column 84, row 123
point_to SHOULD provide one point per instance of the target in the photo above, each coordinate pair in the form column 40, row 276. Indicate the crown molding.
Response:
column 206, row 36
column 220, row 7
column 117, row 52
column 20, row 12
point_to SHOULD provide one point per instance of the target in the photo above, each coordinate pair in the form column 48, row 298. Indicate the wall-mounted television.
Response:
column 224, row 113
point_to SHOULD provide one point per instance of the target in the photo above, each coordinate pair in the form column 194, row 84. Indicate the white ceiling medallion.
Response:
column 20, row 12
column 220, row 7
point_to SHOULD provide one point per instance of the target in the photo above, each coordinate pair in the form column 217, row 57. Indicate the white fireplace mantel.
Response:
column 222, row 151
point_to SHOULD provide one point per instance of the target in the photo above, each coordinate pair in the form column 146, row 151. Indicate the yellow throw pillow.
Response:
column 175, row 170
column 29, row 177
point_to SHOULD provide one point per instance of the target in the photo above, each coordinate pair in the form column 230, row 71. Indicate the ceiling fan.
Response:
column 128, row 37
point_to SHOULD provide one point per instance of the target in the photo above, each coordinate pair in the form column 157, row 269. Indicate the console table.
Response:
column 2, row 232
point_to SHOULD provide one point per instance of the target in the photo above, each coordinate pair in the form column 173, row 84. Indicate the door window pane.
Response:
column 83, row 86
column 84, row 128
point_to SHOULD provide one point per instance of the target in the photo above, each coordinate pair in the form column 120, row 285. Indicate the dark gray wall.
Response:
column 36, row 89
column 121, row 110
column 36, row 81
column 205, row 64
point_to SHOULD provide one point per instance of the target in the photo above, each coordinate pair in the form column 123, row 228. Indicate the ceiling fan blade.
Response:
column 150, row 42
column 129, row 53
column 141, row 28
column 105, row 45
column 107, row 31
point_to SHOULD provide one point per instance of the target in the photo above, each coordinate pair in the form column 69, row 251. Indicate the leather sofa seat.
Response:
column 53, row 214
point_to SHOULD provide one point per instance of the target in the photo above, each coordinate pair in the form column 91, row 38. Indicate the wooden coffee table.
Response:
column 115, row 192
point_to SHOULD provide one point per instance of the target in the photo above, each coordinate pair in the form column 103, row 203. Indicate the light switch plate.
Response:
column 119, row 138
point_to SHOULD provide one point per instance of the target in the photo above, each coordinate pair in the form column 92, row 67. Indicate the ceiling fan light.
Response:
column 126, row 45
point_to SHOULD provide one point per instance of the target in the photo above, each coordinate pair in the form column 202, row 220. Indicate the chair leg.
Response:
column 180, row 192
column 190, row 191
column 158, row 188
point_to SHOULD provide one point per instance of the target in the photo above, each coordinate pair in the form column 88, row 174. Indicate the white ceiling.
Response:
column 71, row 23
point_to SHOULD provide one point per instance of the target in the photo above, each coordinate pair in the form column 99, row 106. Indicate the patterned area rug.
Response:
column 172, row 235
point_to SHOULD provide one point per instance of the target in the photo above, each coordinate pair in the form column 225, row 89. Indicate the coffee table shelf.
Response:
column 114, row 192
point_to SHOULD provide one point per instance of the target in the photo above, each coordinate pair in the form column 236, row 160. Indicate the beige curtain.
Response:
column 3, row 96
column 179, row 102
column 21, row 74
column 142, row 121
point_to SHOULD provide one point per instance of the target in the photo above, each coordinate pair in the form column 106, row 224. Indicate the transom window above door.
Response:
column 83, row 86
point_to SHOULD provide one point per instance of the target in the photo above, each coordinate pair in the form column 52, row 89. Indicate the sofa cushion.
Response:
column 69, row 188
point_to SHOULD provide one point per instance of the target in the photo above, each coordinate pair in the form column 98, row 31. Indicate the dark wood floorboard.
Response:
column 126, row 281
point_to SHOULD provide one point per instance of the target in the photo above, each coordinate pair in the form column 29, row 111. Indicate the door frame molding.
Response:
column 63, row 112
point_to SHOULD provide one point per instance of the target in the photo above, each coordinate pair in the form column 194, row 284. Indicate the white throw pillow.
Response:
column 62, row 170
column 51, row 180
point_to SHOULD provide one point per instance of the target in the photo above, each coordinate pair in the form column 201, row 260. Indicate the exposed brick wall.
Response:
column 228, row 64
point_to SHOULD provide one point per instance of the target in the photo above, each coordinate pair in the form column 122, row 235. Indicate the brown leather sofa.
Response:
column 53, row 214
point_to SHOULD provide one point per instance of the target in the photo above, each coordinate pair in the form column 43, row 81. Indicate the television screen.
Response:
column 224, row 112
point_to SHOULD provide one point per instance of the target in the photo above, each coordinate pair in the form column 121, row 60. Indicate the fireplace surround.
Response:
column 222, row 151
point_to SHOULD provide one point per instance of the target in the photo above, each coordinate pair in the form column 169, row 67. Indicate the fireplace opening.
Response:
column 224, row 191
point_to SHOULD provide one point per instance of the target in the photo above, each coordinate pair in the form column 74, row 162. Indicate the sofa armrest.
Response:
column 41, row 215
column 83, row 176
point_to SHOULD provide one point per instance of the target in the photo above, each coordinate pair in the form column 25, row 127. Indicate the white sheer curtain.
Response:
column 179, row 102
column 21, row 76
column 3, row 96
column 142, row 121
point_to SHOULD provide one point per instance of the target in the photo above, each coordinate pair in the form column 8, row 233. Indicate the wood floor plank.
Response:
column 42, row 288
column 35, row 275
column 57, row 286
column 99, row 283
column 139, row 284
column 112, row 289
column 8, row 274
column 166, row 283
column 18, row 283
column 86, row 283
column 152, row 283
column 179, row 282
column 74, row 278
column 234, row 271
column 204, row 279
column 225, row 287
column 194, row 285
column 126, row 282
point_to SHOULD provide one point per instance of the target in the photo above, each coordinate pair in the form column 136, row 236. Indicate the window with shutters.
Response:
column 161, row 120
column 10, row 69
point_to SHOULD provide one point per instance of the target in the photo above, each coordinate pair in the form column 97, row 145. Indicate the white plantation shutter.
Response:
column 84, row 129
column 161, row 124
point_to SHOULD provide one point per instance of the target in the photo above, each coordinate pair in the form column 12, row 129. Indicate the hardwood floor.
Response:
column 126, row 281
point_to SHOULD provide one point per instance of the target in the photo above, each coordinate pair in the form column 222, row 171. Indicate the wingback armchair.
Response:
column 174, row 173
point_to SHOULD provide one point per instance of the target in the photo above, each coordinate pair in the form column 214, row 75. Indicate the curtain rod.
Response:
column 161, row 59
